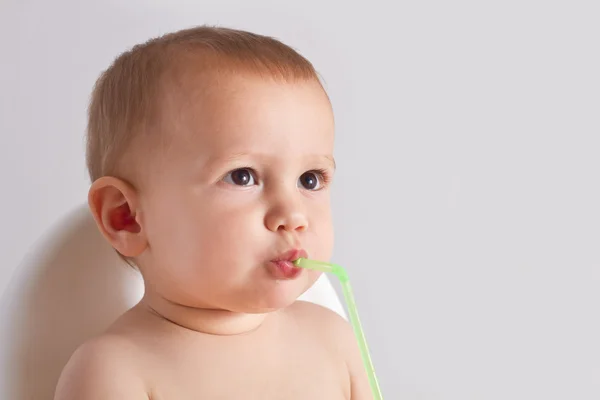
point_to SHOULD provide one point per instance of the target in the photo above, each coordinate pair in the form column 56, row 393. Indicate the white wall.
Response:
column 467, row 197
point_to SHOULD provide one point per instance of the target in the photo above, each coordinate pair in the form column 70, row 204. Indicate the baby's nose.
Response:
column 286, row 218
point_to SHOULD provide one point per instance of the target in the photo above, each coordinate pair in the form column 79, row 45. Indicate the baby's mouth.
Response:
column 282, row 267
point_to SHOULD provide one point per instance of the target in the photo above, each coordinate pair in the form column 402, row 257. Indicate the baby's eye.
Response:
column 311, row 180
column 241, row 177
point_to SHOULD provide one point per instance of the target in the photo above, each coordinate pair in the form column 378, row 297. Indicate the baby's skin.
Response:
column 222, row 204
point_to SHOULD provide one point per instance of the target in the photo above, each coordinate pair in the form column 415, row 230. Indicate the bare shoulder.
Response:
column 102, row 368
column 328, row 326
column 320, row 318
column 339, row 335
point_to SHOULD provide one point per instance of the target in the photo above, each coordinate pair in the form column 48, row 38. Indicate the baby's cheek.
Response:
column 226, row 236
column 324, row 239
column 327, row 248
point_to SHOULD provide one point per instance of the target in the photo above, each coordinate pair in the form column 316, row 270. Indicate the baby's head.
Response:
column 211, row 156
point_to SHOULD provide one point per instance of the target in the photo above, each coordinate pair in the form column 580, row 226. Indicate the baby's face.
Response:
column 243, row 181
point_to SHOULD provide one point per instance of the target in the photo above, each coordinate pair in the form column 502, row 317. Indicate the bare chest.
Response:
column 277, row 370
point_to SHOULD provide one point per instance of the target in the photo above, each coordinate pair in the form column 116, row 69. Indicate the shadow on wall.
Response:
column 71, row 287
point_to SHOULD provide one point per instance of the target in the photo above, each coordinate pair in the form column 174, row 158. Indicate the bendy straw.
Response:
column 342, row 275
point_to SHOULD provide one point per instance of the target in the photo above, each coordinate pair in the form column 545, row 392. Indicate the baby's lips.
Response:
column 292, row 255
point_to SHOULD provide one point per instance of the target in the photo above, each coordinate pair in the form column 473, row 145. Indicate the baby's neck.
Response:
column 203, row 320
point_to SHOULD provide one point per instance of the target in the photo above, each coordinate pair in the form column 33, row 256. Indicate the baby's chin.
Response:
column 278, row 295
column 257, row 296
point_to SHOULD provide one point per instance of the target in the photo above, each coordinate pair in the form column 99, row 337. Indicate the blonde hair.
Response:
column 126, row 98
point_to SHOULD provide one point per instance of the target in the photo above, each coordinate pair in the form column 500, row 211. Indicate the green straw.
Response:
column 342, row 275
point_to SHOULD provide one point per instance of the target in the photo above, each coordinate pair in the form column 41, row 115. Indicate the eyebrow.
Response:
column 330, row 158
column 236, row 156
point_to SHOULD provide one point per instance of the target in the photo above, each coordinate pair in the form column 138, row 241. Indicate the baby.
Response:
column 210, row 152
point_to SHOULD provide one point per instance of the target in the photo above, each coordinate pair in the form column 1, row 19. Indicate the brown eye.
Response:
column 309, row 181
column 241, row 177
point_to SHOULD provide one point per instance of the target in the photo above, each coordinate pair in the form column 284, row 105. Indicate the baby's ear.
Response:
column 115, row 207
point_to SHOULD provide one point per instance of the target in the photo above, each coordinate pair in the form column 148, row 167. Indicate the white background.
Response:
column 467, row 197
